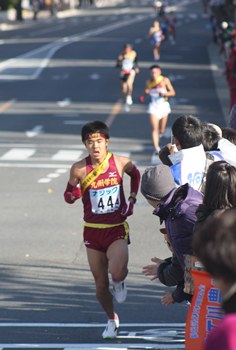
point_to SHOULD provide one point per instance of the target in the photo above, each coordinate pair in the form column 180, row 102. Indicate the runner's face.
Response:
column 96, row 146
column 127, row 49
column 155, row 73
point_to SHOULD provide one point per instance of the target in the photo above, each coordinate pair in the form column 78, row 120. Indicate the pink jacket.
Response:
column 223, row 337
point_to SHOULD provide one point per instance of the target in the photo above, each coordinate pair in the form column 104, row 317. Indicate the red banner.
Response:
column 205, row 311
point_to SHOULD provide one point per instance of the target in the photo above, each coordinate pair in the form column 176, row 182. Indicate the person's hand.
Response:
column 151, row 270
column 167, row 299
column 173, row 149
column 128, row 209
column 141, row 99
column 76, row 193
column 137, row 70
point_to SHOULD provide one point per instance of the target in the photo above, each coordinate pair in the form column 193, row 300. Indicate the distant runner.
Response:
column 156, row 36
column 160, row 89
column 128, row 63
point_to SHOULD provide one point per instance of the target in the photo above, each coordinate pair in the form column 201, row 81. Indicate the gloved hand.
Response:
column 127, row 209
column 141, row 99
column 76, row 193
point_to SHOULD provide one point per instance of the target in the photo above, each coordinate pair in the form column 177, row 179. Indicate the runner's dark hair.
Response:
column 93, row 127
column 128, row 45
column 155, row 66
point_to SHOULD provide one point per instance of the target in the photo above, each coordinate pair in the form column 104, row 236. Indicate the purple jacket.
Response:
column 178, row 211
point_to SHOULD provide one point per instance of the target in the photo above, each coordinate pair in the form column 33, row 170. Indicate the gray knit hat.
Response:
column 157, row 182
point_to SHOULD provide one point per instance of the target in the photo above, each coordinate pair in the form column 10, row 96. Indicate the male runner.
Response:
column 98, row 179
column 159, row 88
column 128, row 63
column 156, row 37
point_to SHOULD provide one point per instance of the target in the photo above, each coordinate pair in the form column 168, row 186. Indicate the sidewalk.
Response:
column 12, row 24
column 8, row 22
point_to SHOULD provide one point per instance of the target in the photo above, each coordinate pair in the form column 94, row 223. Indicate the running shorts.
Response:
column 101, row 238
column 125, row 76
column 160, row 110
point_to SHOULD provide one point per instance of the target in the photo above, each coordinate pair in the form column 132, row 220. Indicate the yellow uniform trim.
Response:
column 130, row 55
column 94, row 173
column 93, row 225
column 125, row 224
column 154, row 83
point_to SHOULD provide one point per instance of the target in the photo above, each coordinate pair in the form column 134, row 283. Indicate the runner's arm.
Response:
column 134, row 174
column 146, row 92
column 170, row 90
column 136, row 67
column 119, row 61
column 72, row 192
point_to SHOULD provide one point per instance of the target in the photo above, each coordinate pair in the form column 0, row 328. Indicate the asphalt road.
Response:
column 55, row 75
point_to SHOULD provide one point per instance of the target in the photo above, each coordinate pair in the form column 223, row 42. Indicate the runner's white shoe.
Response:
column 111, row 328
column 119, row 291
column 129, row 100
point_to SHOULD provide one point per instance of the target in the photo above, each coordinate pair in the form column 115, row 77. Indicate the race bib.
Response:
column 127, row 64
column 155, row 94
column 106, row 200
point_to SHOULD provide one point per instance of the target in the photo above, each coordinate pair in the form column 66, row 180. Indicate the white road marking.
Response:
column 67, row 155
column 61, row 171
column 53, row 175
column 164, row 335
column 64, row 103
column 36, row 166
column 38, row 129
column 87, row 325
column 92, row 346
column 44, row 180
column 124, row 154
column 18, row 154
column 142, row 346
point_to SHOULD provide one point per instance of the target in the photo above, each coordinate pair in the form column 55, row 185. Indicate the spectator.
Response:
column 220, row 176
column 229, row 134
column 210, row 138
column 232, row 117
column 176, row 207
column 215, row 245
column 190, row 162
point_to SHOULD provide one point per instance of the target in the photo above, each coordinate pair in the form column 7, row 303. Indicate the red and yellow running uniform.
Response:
column 103, row 202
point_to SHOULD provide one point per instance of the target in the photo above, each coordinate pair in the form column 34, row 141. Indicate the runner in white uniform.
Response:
column 159, row 88
column 128, row 63
column 156, row 36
